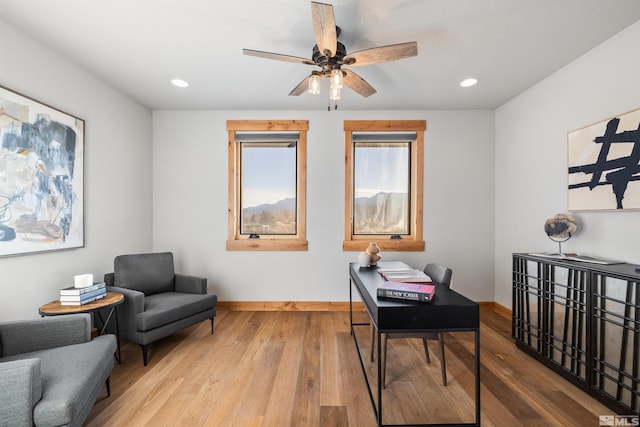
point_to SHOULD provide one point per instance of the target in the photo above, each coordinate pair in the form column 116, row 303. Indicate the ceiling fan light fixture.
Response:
column 314, row 84
column 335, row 80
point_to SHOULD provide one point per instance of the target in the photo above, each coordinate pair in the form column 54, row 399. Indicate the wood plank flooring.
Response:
column 292, row 368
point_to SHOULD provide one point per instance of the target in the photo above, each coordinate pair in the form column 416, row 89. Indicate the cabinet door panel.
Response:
column 616, row 359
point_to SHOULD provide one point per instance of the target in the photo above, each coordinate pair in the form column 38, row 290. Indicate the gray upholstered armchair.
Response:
column 157, row 301
column 51, row 371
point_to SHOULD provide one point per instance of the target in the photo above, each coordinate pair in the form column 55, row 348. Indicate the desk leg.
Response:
column 478, row 377
column 350, row 306
column 379, row 377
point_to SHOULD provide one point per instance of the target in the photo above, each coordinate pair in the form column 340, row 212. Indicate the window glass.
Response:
column 381, row 188
column 268, row 193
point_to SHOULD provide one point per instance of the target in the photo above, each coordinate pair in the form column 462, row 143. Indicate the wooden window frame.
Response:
column 413, row 241
column 238, row 242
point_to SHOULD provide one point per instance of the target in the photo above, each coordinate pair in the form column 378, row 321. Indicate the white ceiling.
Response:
column 138, row 46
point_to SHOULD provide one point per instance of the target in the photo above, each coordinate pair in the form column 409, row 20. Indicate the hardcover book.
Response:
column 83, row 302
column 405, row 275
column 84, row 297
column 79, row 291
column 407, row 291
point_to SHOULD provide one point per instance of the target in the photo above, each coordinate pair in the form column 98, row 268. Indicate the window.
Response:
column 383, row 184
column 267, row 185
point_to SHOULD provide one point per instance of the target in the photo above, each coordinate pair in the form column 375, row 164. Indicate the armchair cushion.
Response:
column 170, row 307
column 147, row 273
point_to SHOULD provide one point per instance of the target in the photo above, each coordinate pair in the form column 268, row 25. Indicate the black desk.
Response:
column 448, row 312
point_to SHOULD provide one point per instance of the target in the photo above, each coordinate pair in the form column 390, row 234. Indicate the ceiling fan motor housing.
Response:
column 328, row 64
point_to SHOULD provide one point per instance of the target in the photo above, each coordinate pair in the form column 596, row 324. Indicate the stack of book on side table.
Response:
column 406, row 284
column 81, row 296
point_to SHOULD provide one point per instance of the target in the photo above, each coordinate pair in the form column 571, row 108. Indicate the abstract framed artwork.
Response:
column 41, row 177
column 604, row 165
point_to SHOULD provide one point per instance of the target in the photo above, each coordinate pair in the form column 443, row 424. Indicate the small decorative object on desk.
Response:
column 363, row 259
column 373, row 251
column 560, row 228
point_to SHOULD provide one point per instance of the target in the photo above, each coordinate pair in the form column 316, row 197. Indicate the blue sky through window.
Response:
column 268, row 174
column 381, row 168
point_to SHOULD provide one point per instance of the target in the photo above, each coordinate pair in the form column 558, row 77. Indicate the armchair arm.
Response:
column 190, row 284
column 24, row 336
column 132, row 305
column 20, row 390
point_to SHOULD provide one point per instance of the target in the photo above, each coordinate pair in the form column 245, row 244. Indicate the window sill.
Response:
column 384, row 245
column 263, row 244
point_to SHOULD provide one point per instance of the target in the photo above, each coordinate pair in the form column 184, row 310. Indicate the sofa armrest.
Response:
column 190, row 284
column 20, row 390
column 23, row 336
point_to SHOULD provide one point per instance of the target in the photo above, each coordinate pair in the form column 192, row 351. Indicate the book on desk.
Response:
column 406, row 291
column 410, row 275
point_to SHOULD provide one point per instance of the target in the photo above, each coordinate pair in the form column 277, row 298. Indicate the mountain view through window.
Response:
column 381, row 188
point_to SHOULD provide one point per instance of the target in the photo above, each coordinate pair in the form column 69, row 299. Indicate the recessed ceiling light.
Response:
column 468, row 82
column 179, row 83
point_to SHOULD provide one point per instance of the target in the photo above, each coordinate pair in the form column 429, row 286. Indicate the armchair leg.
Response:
column 108, row 387
column 144, row 354
column 212, row 326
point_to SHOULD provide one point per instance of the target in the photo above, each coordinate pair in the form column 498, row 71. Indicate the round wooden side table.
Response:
column 110, row 301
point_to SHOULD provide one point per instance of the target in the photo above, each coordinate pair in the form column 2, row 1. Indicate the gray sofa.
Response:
column 157, row 301
column 51, row 371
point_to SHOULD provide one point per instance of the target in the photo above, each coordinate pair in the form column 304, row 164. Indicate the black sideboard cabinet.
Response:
column 582, row 320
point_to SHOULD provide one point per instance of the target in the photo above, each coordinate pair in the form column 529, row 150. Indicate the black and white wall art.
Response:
column 604, row 165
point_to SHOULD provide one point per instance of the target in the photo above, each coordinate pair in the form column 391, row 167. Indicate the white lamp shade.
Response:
column 336, row 79
column 314, row 85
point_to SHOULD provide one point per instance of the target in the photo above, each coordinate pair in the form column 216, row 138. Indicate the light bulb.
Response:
column 334, row 93
column 336, row 79
column 314, row 85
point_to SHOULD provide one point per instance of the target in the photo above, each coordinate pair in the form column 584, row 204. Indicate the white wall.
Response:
column 531, row 160
column 117, row 182
column 190, row 204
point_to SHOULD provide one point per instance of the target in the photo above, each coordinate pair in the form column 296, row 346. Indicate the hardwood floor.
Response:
column 292, row 368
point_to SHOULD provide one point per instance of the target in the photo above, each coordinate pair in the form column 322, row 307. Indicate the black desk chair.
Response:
column 441, row 275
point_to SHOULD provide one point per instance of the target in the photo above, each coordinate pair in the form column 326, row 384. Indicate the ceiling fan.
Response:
column 331, row 55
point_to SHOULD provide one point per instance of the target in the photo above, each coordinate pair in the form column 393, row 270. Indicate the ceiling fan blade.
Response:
column 301, row 88
column 324, row 27
column 380, row 54
column 277, row 56
column 357, row 83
